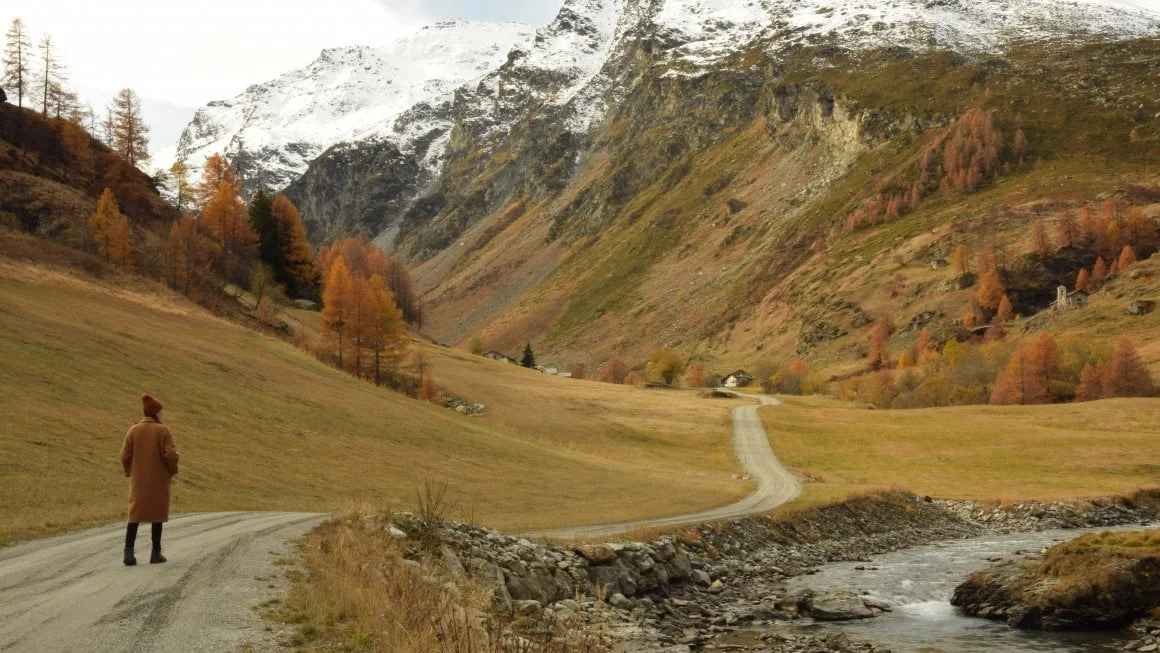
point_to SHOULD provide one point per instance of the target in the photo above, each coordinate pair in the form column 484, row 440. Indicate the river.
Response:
column 920, row 581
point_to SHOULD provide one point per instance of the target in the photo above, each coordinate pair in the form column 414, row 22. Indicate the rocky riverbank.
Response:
column 687, row 591
column 1098, row 581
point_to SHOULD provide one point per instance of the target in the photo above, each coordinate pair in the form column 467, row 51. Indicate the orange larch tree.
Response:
column 338, row 299
column 878, row 351
column 991, row 290
column 1091, row 383
column 1127, row 258
column 1126, row 375
column 1083, row 280
column 1099, row 272
column 1006, row 311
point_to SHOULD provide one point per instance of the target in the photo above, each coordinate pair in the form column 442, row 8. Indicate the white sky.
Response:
column 179, row 55
column 189, row 53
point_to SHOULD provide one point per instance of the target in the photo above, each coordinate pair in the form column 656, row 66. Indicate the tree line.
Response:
column 40, row 76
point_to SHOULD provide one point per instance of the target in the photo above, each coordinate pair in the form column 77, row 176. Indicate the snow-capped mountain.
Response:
column 403, row 93
column 273, row 130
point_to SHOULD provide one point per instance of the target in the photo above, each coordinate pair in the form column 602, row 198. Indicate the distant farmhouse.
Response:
column 501, row 358
column 738, row 379
column 1065, row 300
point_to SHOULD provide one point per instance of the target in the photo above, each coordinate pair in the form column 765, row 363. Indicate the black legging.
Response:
column 131, row 535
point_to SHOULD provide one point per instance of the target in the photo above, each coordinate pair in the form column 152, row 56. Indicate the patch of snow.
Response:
column 346, row 94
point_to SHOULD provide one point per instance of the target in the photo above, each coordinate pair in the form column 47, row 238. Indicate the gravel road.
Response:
column 72, row 593
column 775, row 484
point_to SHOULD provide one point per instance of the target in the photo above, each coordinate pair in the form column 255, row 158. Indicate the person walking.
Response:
column 150, row 461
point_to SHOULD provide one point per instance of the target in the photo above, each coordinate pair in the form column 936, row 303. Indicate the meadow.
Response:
column 262, row 425
column 986, row 453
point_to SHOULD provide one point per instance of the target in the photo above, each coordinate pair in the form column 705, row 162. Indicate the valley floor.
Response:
column 985, row 453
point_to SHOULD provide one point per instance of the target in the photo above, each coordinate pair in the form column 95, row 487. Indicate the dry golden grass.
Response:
column 263, row 426
column 360, row 594
column 974, row 452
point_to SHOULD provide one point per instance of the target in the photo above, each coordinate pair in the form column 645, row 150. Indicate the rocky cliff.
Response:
column 682, row 169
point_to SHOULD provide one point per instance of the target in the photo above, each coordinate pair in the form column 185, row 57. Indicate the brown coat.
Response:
column 150, row 460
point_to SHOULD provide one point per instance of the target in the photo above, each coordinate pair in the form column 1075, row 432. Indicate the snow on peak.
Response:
column 347, row 93
column 711, row 29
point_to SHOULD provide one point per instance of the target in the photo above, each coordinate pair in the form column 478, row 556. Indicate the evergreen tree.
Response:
column 129, row 134
column 262, row 222
column 295, row 256
column 17, row 73
column 529, row 358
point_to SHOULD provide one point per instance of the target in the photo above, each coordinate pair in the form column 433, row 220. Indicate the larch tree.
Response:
column 1010, row 387
column 363, row 321
column 1099, row 272
column 1127, row 258
column 1126, row 375
column 389, row 336
column 227, row 222
column 50, row 75
column 187, row 254
column 961, row 260
column 1006, row 311
column 217, row 171
column 338, row 297
column 1091, row 383
column 528, row 359
column 17, row 74
column 1083, row 280
column 111, row 231
column 130, row 134
column 991, row 290
column 1044, row 367
column 878, row 351
column 182, row 187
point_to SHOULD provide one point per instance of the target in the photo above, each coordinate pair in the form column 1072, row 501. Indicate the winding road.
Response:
column 775, row 484
column 71, row 593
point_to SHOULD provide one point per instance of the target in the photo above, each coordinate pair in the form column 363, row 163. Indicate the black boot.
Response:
column 156, row 557
column 130, row 560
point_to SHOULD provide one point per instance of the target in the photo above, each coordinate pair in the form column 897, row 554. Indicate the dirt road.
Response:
column 72, row 593
column 775, row 484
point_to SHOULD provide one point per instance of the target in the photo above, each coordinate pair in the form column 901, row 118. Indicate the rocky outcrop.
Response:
column 357, row 188
column 1095, row 582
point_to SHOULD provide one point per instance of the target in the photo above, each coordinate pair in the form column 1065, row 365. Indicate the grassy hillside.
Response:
column 976, row 452
column 709, row 213
column 262, row 426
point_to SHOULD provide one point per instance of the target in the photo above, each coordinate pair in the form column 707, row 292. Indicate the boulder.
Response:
column 836, row 606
